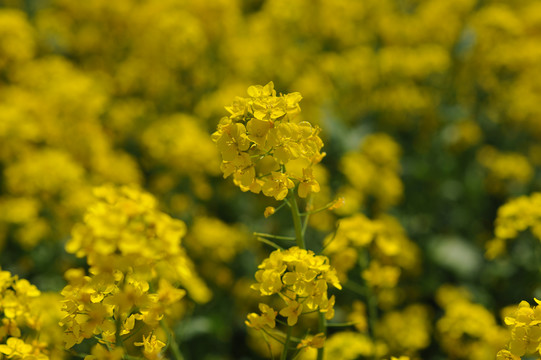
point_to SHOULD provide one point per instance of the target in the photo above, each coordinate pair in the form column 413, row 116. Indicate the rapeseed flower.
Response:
column 262, row 128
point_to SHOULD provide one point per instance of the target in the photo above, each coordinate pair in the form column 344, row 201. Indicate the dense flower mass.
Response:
column 136, row 263
column 20, row 318
column 124, row 232
column 261, row 136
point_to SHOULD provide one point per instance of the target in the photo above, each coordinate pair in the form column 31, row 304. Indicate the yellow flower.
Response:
column 151, row 346
column 358, row 316
column 327, row 307
column 307, row 184
column 378, row 275
column 15, row 348
column 292, row 312
column 338, row 203
column 317, row 341
column 269, row 281
column 277, row 185
column 258, row 130
column 231, row 139
column 506, row 355
column 100, row 352
column 269, row 210
column 267, row 318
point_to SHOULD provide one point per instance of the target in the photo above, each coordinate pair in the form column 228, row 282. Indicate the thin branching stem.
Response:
column 286, row 343
column 270, row 243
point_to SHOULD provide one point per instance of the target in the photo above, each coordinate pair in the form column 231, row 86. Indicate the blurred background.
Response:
column 430, row 114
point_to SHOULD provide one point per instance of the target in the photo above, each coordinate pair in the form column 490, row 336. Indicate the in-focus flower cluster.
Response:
column 261, row 137
column 136, row 265
column 301, row 280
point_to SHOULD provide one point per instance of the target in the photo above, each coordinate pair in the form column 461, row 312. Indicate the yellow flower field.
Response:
column 270, row 179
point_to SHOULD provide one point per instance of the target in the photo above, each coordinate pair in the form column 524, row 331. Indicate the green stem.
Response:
column 286, row 344
column 172, row 341
column 268, row 242
column 277, row 237
column 330, row 241
column 372, row 317
column 305, row 224
column 356, row 288
column 118, row 326
column 307, row 216
column 344, row 324
column 320, row 209
column 134, row 331
column 299, row 237
column 272, row 336
column 322, row 328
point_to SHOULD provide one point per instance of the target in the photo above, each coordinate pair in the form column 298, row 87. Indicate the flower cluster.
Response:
column 261, row 136
column 123, row 231
column 349, row 345
column 18, row 313
column 407, row 330
column 216, row 245
column 505, row 170
column 467, row 330
column 136, row 265
column 373, row 171
column 301, row 280
column 386, row 241
column 182, row 148
column 525, row 332
column 515, row 216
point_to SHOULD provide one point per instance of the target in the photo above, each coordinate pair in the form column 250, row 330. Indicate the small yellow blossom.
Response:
column 506, row 355
column 338, row 203
column 316, row 341
column 15, row 348
column 269, row 210
column 292, row 312
column 267, row 318
column 151, row 346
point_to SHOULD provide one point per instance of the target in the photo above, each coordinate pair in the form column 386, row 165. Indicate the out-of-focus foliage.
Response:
column 430, row 119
